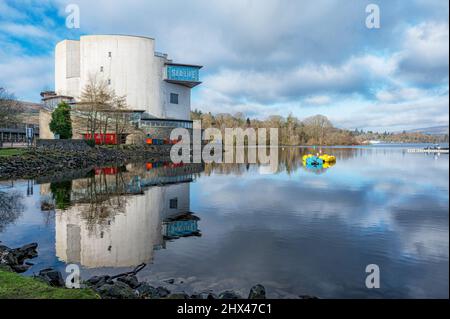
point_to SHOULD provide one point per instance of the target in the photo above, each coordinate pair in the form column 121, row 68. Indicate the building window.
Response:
column 109, row 54
column 109, row 81
column 173, row 203
column 101, row 69
column 173, row 98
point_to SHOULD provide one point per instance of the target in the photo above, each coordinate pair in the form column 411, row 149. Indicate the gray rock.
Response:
column 25, row 252
column 146, row 291
column 8, row 258
column 162, row 292
column 180, row 295
column 170, row 281
column 14, row 258
column 20, row 268
column 307, row 297
column 257, row 292
column 228, row 294
column 130, row 280
column 6, row 268
column 116, row 290
column 98, row 281
column 204, row 295
column 52, row 277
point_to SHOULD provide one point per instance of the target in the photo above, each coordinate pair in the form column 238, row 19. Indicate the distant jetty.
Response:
column 428, row 150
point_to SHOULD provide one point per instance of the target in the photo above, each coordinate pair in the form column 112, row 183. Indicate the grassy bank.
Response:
column 15, row 286
column 6, row 152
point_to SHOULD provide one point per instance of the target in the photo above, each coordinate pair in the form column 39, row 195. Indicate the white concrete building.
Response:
column 151, row 82
column 128, row 238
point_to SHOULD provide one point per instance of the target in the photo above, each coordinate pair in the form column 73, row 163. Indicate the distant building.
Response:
column 17, row 132
column 156, row 88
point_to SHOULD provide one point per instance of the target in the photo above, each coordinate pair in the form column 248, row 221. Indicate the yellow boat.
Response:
column 328, row 164
column 305, row 157
column 328, row 158
column 325, row 157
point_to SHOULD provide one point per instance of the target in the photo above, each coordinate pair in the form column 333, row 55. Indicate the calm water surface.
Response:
column 296, row 232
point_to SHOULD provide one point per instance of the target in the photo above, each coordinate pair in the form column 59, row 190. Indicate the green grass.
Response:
column 6, row 152
column 15, row 286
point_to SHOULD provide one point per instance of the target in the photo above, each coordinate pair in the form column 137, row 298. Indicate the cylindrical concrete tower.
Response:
column 130, row 66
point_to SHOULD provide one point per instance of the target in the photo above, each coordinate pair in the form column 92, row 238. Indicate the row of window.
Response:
column 157, row 123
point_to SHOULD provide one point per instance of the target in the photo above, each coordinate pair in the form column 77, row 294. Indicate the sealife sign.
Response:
column 187, row 75
column 185, row 225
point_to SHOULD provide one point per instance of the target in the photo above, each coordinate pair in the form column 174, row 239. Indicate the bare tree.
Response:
column 11, row 208
column 317, row 127
column 10, row 108
column 91, row 113
column 101, row 110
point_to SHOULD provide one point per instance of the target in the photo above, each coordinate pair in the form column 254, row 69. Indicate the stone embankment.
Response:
column 57, row 158
column 121, row 286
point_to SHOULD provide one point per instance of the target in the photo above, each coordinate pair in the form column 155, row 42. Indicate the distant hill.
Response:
column 435, row 130
column 30, row 107
column 30, row 113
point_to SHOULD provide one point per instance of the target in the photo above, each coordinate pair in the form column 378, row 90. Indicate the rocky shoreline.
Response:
column 40, row 161
column 121, row 286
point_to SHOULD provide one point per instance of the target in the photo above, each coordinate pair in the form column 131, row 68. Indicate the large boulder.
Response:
column 307, row 297
column 6, row 268
column 145, row 291
column 116, row 290
column 98, row 281
column 52, row 277
column 180, row 295
column 25, row 252
column 204, row 295
column 257, row 292
column 229, row 294
column 15, row 258
column 163, row 292
column 130, row 280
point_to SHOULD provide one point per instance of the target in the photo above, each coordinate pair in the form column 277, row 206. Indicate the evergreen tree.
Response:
column 61, row 123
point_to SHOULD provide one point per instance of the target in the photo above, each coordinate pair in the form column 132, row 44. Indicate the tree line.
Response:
column 314, row 130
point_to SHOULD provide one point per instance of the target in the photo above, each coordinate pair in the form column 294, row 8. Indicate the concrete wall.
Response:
column 44, row 121
column 161, row 95
column 67, row 68
column 130, row 67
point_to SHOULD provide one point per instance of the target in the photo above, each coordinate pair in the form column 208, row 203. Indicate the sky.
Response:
column 262, row 58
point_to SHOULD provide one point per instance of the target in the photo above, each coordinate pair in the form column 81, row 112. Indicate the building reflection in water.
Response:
column 117, row 217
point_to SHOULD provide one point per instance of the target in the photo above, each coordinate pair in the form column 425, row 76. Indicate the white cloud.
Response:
column 395, row 116
column 26, row 76
column 400, row 95
column 24, row 30
column 317, row 100
column 7, row 12
column 425, row 53
column 356, row 74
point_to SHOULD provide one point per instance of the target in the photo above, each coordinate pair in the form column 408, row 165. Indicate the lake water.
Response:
column 296, row 232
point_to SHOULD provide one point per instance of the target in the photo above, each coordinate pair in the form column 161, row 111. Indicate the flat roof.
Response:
column 118, row 35
column 163, row 120
column 57, row 97
column 189, row 84
column 184, row 64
